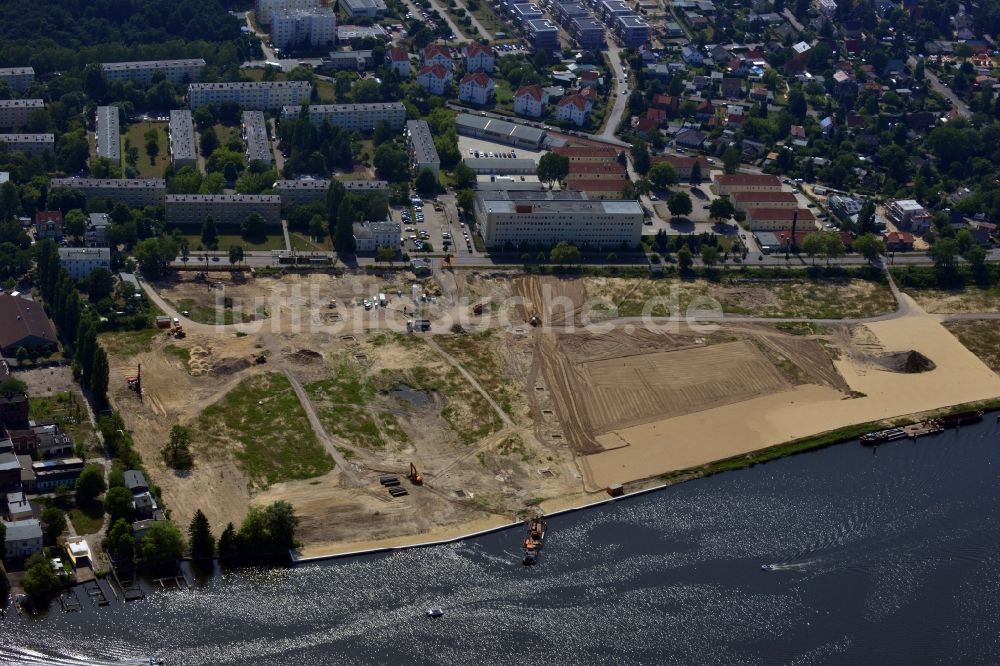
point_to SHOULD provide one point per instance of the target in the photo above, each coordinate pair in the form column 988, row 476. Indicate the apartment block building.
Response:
column 108, row 136
column 29, row 143
column 538, row 220
column 780, row 219
column 542, row 34
column 96, row 234
column 133, row 192
column 16, row 113
column 225, row 209
column 80, row 261
column 18, row 78
column 265, row 9
column 730, row 183
column 299, row 192
column 181, row 133
column 420, row 147
column 258, row 95
column 254, row 132
column 531, row 101
column 142, row 71
column 310, row 27
column 743, row 201
column 368, row 8
column 353, row 117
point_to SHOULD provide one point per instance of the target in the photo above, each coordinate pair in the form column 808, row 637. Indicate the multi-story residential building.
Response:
column 265, row 9
column 398, row 60
column 597, row 189
column 370, row 8
column 730, row 183
column 567, row 10
column 574, row 109
column 22, row 538
column 742, row 201
column 50, row 474
column 226, row 209
column 683, row 165
column 909, row 215
column 610, row 9
column 420, row 147
column 780, row 219
column 531, row 101
column 434, row 78
column 587, row 154
column 435, row 54
column 49, row 225
column 589, row 34
column 18, row 78
column 524, row 12
column 359, row 60
column 353, row 117
column 80, row 261
column 259, row 95
column 844, row 206
column 310, row 27
column 611, row 170
column 632, row 30
column 29, row 143
column 174, row 71
column 16, row 113
column 476, row 88
column 542, row 34
column 133, row 192
column 108, row 139
column 306, row 191
column 479, row 57
column 533, row 218
column 255, row 137
column 96, row 233
column 181, row 133
column 370, row 236
column 499, row 131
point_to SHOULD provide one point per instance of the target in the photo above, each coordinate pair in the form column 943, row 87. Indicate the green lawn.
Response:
column 303, row 242
column 67, row 411
column 224, row 132
column 504, row 94
column 87, row 519
column 135, row 134
column 263, row 416
column 231, row 237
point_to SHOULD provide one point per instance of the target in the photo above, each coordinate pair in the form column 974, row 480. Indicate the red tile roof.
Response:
column 535, row 91
column 438, row 71
column 432, row 50
column 576, row 100
column 397, row 54
column 475, row 48
column 479, row 78
column 582, row 168
column 804, row 214
column 762, row 197
column 595, row 185
column 606, row 152
column 759, row 179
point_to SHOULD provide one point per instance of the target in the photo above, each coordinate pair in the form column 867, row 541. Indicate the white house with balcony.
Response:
column 434, row 78
column 479, row 58
column 531, row 101
column 574, row 109
column 476, row 88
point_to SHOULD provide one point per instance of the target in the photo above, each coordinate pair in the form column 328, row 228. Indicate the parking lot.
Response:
column 466, row 143
column 435, row 223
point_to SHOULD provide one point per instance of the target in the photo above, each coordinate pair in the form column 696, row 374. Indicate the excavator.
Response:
column 415, row 477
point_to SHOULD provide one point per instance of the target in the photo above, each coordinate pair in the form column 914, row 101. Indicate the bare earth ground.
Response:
column 501, row 416
column 981, row 337
column 970, row 299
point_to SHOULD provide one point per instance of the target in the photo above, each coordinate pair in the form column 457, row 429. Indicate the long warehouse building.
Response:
column 353, row 117
column 537, row 219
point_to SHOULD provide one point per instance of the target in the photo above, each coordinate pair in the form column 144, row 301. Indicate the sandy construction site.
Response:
column 314, row 397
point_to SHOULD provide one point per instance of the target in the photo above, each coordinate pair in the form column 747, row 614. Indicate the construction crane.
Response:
column 415, row 477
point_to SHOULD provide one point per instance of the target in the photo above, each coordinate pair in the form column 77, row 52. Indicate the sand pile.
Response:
column 910, row 362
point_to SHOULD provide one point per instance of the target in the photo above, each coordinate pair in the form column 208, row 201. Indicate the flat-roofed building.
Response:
column 908, row 214
column 778, row 219
column 175, row 71
column 742, row 201
column 509, row 167
column 181, row 132
column 260, row 95
column 18, row 78
column 588, row 32
column 420, row 147
column 543, row 35
column 80, row 261
column 306, row 191
column 730, row 183
column 227, row 209
column 370, row 236
column 265, row 9
column 29, row 143
column 632, row 30
column 371, row 8
column 16, row 113
column 353, row 117
column 133, row 192
column 96, row 234
column 22, row 538
column 108, row 138
column 536, row 219
column 310, row 27
column 499, row 131
column 255, row 137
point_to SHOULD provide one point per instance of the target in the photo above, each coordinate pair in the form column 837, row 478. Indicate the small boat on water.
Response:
column 435, row 612
column 534, row 540
column 960, row 419
column 768, row 567
column 882, row 436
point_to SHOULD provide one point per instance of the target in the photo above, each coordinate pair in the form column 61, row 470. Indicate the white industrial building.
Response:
column 260, row 95
column 353, row 117
column 142, row 71
column 80, row 261
column 304, row 27
column 537, row 219
column 109, row 144
column 181, row 133
column 18, row 78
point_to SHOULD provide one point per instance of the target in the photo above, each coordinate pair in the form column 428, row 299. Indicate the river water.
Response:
column 884, row 557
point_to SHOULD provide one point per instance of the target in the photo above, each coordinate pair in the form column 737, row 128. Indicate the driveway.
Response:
column 941, row 89
column 620, row 102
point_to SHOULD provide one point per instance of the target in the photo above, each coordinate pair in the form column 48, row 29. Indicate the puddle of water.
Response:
column 411, row 395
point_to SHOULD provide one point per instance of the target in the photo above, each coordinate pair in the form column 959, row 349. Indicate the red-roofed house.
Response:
column 645, row 126
column 49, row 225
column 23, row 324
column 574, row 109
column 774, row 219
column 434, row 78
column 587, row 153
column 597, row 189
column 435, row 54
column 398, row 60
column 683, row 165
column 476, row 88
column 531, row 101
column 589, row 79
column 597, row 171
column 668, row 103
column 746, row 200
column 730, row 183
column 479, row 58
column 899, row 241
column 657, row 115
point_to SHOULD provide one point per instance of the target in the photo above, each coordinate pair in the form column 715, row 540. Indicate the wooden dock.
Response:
column 923, row 428
column 129, row 584
column 69, row 602
column 96, row 593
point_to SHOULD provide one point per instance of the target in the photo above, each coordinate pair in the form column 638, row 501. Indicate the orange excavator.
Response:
column 415, row 477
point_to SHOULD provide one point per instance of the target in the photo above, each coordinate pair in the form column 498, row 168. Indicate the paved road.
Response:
column 475, row 22
column 941, row 89
column 434, row 5
column 264, row 38
column 620, row 102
